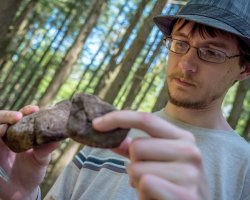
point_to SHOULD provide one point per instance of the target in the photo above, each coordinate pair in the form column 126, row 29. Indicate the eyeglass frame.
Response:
column 199, row 52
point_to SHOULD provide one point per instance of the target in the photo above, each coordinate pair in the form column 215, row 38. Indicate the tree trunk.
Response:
column 67, row 64
column 238, row 102
column 106, row 76
column 16, row 44
column 110, row 92
column 22, row 79
column 35, row 80
column 107, row 39
column 246, row 132
column 15, row 29
column 150, row 85
column 8, row 10
column 139, row 76
column 161, row 100
column 23, row 15
column 14, row 81
column 7, row 74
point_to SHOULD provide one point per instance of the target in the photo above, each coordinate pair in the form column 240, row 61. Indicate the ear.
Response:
column 245, row 72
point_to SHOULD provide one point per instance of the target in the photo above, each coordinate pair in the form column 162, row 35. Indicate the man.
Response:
column 185, row 151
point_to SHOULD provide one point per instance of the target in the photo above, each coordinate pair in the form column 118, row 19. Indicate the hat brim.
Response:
column 166, row 23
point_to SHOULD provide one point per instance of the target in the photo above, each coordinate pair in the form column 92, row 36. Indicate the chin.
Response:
column 197, row 105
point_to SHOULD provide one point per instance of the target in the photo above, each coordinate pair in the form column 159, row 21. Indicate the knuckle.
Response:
column 134, row 170
column 196, row 155
column 135, row 148
column 190, row 137
column 189, row 195
column 192, row 174
column 192, row 151
column 145, row 183
column 195, row 152
column 193, row 193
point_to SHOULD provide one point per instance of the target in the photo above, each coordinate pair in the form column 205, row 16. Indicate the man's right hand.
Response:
column 25, row 170
column 166, row 165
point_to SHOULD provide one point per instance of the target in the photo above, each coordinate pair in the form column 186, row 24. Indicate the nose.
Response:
column 188, row 62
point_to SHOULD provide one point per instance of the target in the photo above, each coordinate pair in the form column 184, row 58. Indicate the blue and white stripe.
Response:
column 96, row 163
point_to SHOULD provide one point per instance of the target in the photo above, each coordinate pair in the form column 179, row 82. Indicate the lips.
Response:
column 184, row 82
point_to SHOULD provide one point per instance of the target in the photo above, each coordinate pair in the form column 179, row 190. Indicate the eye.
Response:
column 211, row 53
column 180, row 44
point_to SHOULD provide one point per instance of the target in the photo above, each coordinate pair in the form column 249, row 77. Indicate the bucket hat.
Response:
column 232, row 16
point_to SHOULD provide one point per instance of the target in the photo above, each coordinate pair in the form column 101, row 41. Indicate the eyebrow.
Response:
column 214, row 43
column 178, row 33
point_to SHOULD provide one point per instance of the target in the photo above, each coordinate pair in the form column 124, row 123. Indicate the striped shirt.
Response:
column 100, row 174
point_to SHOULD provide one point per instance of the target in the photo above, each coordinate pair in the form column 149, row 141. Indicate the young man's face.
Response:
column 195, row 83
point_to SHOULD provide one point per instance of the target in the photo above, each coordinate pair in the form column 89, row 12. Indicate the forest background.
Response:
column 53, row 49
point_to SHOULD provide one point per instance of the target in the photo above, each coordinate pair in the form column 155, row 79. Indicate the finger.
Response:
column 143, row 149
column 42, row 154
column 149, row 123
column 7, row 157
column 184, row 174
column 26, row 110
column 3, row 129
column 33, row 163
column 153, row 187
column 9, row 117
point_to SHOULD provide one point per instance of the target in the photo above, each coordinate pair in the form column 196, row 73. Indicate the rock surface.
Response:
column 46, row 125
column 84, row 109
column 66, row 119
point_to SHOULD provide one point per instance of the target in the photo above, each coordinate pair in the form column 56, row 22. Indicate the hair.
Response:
column 204, row 30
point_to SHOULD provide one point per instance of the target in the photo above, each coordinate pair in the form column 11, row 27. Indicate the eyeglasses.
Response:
column 204, row 53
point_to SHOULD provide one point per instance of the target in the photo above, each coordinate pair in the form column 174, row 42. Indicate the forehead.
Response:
column 192, row 29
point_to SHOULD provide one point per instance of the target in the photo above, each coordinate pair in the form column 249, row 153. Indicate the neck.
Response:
column 211, row 118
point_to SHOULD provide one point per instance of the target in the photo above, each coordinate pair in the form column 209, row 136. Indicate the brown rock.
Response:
column 66, row 119
column 84, row 109
column 46, row 125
